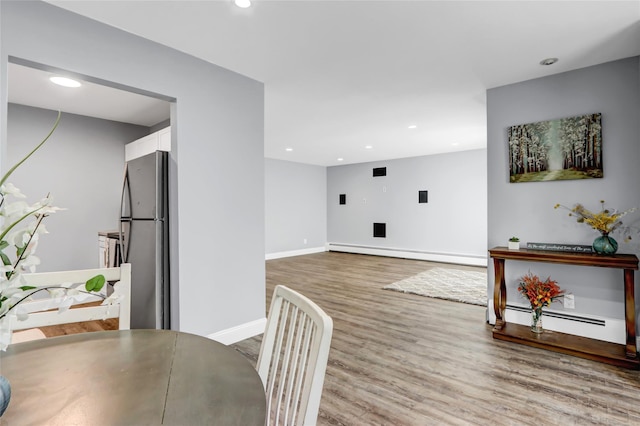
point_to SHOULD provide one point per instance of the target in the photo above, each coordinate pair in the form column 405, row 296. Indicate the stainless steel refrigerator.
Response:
column 144, row 238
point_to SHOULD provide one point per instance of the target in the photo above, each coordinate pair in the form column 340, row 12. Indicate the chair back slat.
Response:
column 293, row 358
column 40, row 315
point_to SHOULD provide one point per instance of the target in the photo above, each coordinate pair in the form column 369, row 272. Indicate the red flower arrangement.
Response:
column 540, row 293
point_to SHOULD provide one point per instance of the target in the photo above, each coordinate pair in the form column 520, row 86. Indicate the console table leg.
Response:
column 499, row 293
column 630, row 313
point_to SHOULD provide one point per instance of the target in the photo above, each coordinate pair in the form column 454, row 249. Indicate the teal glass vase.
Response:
column 5, row 394
column 605, row 244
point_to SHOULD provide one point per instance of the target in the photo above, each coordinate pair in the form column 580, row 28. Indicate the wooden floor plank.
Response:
column 402, row 359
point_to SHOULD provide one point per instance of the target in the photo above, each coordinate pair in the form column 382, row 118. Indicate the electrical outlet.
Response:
column 569, row 301
column 304, row 241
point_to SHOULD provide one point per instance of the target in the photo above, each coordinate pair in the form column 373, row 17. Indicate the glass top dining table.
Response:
column 131, row 377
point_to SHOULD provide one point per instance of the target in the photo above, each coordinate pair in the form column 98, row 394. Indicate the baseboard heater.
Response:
column 401, row 250
column 561, row 315
column 465, row 259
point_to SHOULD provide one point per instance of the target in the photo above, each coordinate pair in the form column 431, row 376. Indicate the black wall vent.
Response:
column 379, row 171
column 343, row 198
column 380, row 230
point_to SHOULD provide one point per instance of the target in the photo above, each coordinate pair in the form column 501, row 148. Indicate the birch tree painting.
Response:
column 568, row 148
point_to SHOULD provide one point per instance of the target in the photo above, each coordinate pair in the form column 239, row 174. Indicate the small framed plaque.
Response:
column 570, row 248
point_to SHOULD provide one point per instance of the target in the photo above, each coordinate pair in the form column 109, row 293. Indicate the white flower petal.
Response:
column 16, row 210
column 56, row 292
column 65, row 304
column 10, row 189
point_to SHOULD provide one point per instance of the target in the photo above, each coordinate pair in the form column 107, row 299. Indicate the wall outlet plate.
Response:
column 569, row 301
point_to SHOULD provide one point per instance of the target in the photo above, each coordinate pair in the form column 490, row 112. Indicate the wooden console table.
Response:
column 598, row 350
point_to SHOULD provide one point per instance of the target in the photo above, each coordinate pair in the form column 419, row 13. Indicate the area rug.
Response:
column 449, row 284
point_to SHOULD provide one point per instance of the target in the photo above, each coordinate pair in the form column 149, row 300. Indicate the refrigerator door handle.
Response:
column 126, row 191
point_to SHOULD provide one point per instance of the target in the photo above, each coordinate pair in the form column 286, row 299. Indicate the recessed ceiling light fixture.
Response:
column 340, row 159
column 243, row 3
column 64, row 81
column 413, row 126
column 368, row 147
column 288, row 149
column 548, row 61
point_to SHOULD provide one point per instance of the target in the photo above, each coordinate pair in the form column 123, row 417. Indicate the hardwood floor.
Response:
column 401, row 359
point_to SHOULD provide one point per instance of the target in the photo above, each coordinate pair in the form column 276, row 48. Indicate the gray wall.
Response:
column 526, row 209
column 81, row 165
column 452, row 222
column 295, row 206
column 217, row 237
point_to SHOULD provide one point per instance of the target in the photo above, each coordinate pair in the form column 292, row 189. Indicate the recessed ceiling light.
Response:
column 243, row 3
column 548, row 61
column 455, row 144
column 288, row 149
column 64, row 81
column 413, row 126
column 340, row 159
column 368, row 147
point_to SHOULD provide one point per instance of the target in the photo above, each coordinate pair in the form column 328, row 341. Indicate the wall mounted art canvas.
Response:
column 568, row 148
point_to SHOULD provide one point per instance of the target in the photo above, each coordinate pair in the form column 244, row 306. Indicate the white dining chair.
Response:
column 42, row 312
column 293, row 358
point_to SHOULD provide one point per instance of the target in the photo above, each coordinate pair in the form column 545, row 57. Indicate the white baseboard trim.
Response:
column 292, row 253
column 460, row 259
column 240, row 332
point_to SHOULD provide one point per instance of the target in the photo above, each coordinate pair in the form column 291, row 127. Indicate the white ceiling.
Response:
column 31, row 86
column 341, row 75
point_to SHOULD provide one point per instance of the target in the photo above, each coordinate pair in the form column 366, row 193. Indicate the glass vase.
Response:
column 5, row 394
column 536, row 320
column 605, row 244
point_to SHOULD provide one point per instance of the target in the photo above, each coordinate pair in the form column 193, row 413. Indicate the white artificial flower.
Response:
column 116, row 296
column 65, row 304
column 14, row 292
column 4, row 269
column 10, row 189
column 48, row 210
column 15, row 210
column 19, row 280
column 14, row 281
column 45, row 206
column 18, row 238
column 114, row 299
column 30, row 262
column 5, row 332
column 56, row 292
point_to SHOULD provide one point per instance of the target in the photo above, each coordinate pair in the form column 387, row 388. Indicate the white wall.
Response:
column 295, row 208
column 81, row 165
column 526, row 209
column 217, row 237
column 450, row 227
